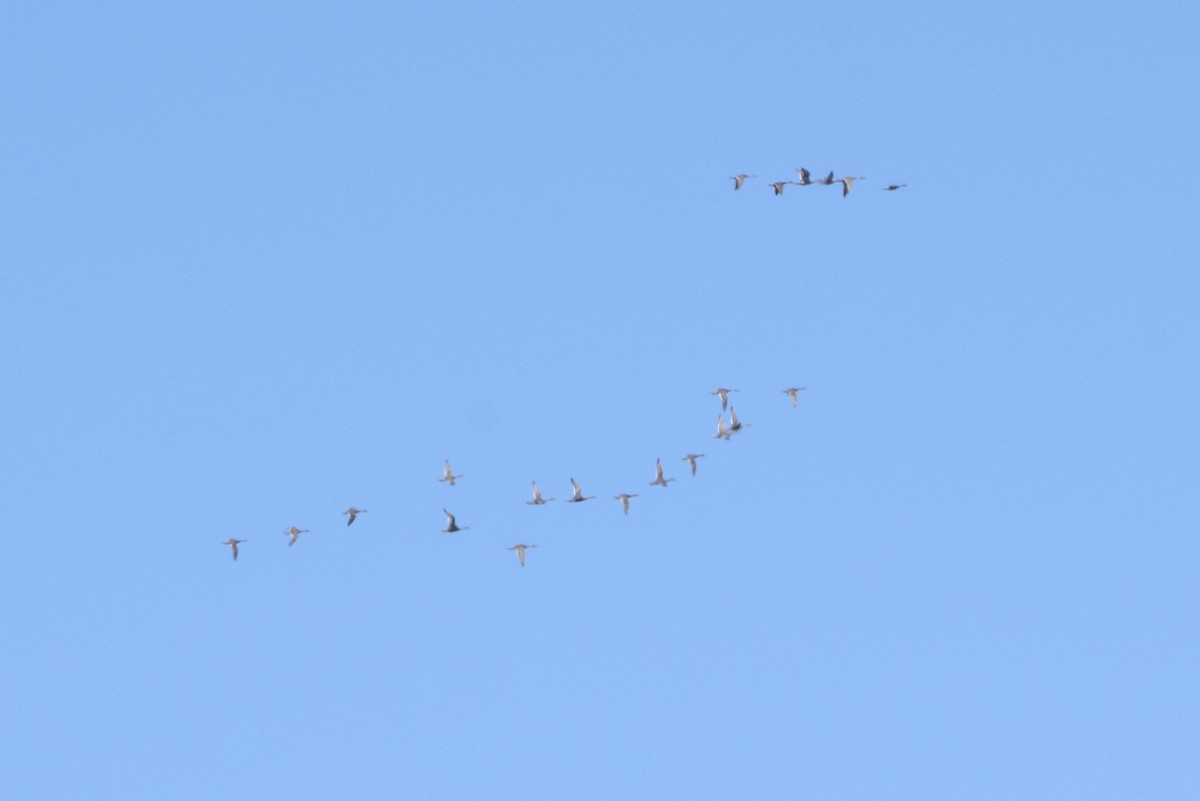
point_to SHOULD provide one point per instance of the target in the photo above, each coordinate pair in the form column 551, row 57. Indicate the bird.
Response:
column 735, row 425
column 779, row 185
column 295, row 533
column 894, row 187
column 449, row 476
column 520, row 549
column 624, row 499
column 658, row 475
column 724, row 393
column 740, row 179
column 691, row 459
column 827, row 180
column 804, row 175
column 451, row 526
column 538, row 500
column 232, row 543
column 847, row 182
column 722, row 431
column 353, row 514
column 578, row 496
column 791, row 393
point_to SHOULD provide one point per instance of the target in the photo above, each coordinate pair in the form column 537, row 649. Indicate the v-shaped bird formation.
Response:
column 725, row 431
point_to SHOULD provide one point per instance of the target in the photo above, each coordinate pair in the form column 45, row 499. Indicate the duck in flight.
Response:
column 847, row 182
column 520, row 549
column 451, row 526
column 735, row 425
column 353, row 513
column 232, row 543
column 691, row 459
column 740, row 179
column 577, row 495
column 724, row 393
column 894, row 187
column 538, row 500
column 804, row 175
column 791, row 393
column 624, row 499
column 448, row 476
column 722, row 431
column 658, row 475
column 295, row 533
column 779, row 185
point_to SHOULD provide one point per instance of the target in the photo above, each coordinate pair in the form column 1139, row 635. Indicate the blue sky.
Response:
column 262, row 263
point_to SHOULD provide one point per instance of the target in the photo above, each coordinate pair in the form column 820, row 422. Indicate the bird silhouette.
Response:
column 577, row 495
column 452, row 526
column 538, row 500
column 520, row 549
column 448, row 476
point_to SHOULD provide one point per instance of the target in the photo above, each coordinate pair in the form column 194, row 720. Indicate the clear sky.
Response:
column 263, row 261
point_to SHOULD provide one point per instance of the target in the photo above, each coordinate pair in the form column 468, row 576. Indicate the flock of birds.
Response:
column 804, row 178
column 725, row 431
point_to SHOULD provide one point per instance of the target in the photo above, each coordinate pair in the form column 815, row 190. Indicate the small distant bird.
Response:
column 847, row 182
column 624, row 499
column 353, row 514
column 577, row 494
column 724, row 393
column 451, row 526
column 791, row 393
column 295, row 533
column 735, row 425
column 894, row 187
column 740, row 179
column 804, row 175
column 232, row 543
column 722, row 431
column 827, row 180
column 538, row 500
column 658, row 475
column 520, row 549
column 691, row 459
column 448, row 476
column 779, row 185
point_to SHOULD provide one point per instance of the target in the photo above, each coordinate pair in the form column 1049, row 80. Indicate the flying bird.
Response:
column 232, row 543
column 624, row 499
column 740, row 179
column 520, row 549
column 658, row 475
column 353, row 514
column 735, row 425
column 722, row 431
column 847, row 182
column 691, row 459
column 538, row 500
column 448, row 476
column 827, row 180
column 894, row 187
column 791, row 393
column 451, row 526
column 294, row 533
column 804, row 175
column 779, row 185
column 724, row 393
column 577, row 494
